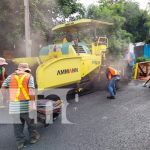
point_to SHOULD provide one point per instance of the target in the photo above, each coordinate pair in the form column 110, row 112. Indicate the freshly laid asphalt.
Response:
column 98, row 124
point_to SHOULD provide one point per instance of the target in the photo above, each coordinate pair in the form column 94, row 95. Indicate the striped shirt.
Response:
column 23, row 106
column 18, row 107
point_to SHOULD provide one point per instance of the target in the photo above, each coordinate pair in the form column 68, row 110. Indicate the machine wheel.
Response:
column 70, row 95
column 52, row 97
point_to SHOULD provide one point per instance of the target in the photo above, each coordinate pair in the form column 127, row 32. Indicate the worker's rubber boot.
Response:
column 20, row 146
column 35, row 137
column 110, row 97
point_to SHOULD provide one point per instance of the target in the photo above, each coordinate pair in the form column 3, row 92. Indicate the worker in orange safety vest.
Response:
column 21, row 92
column 112, row 75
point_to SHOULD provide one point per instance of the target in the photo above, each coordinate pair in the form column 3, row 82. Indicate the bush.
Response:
column 141, row 59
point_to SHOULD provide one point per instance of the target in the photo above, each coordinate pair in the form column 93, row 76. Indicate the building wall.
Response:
column 139, row 51
column 147, row 50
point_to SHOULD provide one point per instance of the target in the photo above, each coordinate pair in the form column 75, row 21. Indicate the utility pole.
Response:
column 27, row 29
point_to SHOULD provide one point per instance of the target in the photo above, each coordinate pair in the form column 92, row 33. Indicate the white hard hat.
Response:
column 3, row 61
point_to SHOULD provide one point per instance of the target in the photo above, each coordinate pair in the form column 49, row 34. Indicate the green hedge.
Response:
column 141, row 59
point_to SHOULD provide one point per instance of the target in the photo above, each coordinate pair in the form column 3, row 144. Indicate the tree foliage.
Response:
column 69, row 8
column 137, row 21
column 44, row 14
column 131, row 24
column 111, row 12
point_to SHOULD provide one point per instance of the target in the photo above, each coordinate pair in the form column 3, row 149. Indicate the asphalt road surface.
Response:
column 99, row 124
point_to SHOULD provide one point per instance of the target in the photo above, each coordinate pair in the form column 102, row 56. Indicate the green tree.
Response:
column 137, row 21
column 112, row 12
column 131, row 24
column 70, row 9
column 44, row 14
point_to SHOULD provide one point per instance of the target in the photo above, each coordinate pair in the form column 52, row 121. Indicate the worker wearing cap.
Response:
column 2, row 70
column 112, row 75
column 21, row 92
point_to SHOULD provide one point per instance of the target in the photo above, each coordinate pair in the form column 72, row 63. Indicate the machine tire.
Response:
column 52, row 97
column 70, row 95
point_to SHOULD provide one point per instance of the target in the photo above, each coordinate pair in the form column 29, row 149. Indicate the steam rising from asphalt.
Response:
column 44, row 20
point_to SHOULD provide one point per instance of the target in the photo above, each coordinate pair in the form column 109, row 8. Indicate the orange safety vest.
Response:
column 112, row 72
column 19, row 87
